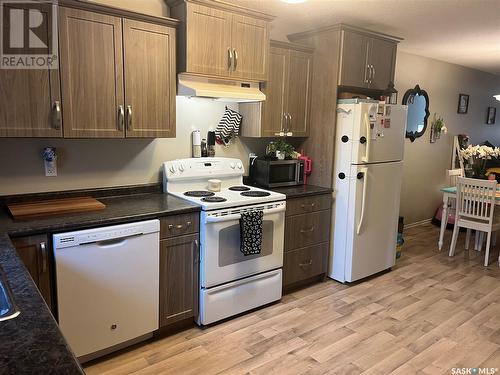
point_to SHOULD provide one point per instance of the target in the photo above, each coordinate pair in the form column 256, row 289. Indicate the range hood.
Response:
column 228, row 91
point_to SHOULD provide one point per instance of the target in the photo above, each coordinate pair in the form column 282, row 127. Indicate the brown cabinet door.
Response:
column 35, row 253
column 299, row 93
column 275, row 88
column 149, row 67
column 30, row 98
column 383, row 61
column 308, row 229
column 250, row 43
column 179, row 269
column 354, row 60
column 208, row 40
column 304, row 263
column 91, row 74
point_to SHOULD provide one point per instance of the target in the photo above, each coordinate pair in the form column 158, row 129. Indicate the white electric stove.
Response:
column 230, row 282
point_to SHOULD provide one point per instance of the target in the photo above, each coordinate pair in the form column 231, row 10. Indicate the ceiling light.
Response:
column 497, row 97
column 294, row 1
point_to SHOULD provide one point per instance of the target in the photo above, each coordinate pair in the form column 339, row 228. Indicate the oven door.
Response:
column 221, row 258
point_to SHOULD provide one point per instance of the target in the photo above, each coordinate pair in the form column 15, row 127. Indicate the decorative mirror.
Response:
column 417, row 101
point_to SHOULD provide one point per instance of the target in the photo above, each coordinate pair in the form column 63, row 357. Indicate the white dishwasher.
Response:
column 107, row 285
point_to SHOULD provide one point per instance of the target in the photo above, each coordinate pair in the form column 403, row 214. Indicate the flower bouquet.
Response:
column 478, row 156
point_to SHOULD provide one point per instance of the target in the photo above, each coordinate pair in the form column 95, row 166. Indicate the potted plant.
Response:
column 281, row 149
column 437, row 127
column 478, row 156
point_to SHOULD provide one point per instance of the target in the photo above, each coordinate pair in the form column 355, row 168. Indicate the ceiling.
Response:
column 463, row 32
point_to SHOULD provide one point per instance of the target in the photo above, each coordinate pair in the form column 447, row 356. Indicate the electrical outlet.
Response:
column 50, row 168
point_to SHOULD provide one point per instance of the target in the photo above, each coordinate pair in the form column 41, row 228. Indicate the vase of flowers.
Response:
column 478, row 157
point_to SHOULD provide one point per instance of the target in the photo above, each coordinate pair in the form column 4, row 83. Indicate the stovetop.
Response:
column 191, row 175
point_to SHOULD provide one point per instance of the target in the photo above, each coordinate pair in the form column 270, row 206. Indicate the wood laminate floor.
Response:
column 431, row 313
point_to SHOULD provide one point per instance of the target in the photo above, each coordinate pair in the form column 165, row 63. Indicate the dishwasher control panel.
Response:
column 82, row 237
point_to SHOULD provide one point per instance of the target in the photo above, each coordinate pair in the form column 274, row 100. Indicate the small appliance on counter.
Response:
column 276, row 173
column 307, row 165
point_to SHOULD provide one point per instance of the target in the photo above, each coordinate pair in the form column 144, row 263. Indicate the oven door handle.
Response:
column 220, row 219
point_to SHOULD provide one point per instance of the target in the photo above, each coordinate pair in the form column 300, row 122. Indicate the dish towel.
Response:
column 229, row 127
column 251, row 232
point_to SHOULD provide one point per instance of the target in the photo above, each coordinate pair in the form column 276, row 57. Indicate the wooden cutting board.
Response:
column 29, row 210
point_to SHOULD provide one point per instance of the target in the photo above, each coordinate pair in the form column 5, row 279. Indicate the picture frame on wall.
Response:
column 463, row 103
column 491, row 115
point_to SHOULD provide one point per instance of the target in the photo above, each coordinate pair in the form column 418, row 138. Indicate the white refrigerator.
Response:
column 367, row 179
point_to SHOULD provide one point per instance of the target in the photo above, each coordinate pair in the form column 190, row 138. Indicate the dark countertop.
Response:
column 32, row 343
column 299, row 191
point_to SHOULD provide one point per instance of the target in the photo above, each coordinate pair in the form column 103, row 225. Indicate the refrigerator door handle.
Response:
column 364, row 171
column 366, row 158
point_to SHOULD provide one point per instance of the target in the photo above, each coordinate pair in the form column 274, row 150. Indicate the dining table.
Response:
column 449, row 194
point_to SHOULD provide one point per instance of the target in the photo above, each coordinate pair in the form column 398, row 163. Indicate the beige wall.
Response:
column 425, row 163
column 103, row 163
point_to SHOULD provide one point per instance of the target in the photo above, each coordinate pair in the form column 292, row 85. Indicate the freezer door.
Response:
column 373, row 212
column 377, row 134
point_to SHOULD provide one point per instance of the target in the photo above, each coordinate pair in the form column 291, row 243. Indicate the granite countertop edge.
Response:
column 32, row 342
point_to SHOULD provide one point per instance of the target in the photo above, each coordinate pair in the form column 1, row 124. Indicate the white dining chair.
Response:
column 453, row 174
column 475, row 210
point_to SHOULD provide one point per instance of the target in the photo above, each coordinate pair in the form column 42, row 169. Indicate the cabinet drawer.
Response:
column 308, row 229
column 308, row 204
column 304, row 263
column 179, row 225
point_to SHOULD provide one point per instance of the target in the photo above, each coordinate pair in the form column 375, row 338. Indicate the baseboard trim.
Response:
column 418, row 223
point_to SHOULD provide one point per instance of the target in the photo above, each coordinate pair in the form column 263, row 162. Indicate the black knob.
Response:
column 344, row 138
column 341, row 175
column 362, row 140
column 360, row 175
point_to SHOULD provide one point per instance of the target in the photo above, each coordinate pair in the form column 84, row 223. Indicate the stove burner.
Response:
column 239, row 188
column 213, row 199
column 198, row 193
column 255, row 193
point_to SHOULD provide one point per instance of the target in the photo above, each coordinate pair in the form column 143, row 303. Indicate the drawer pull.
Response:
column 178, row 226
column 304, row 205
column 306, row 264
column 307, row 230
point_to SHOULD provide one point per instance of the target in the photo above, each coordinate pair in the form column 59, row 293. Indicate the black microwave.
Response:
column 275, row 173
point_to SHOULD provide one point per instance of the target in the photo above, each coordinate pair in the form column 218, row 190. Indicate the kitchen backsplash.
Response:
column 90, row 163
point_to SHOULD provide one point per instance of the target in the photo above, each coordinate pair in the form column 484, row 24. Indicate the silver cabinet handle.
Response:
column 307, row 230
column 235, row 59
column 308, row 204
column 367, row 73
column 308, row 263
column 196, row 248
column 56, row 112
column 229, row 58
column 43, row 249
column 373, row 72
column 121, row 117
column 179, row 226
column 289, row 122
column 129, row 117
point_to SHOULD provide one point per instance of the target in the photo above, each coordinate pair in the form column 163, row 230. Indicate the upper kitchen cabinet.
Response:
column 91, row 74
column 30, row 98
column 149, row 67
column 367, row 60
column 218, row 39
column 117, row 73
column 288, row 95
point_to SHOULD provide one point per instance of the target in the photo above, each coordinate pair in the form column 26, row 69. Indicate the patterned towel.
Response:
column 251, row 232
column 229, row 127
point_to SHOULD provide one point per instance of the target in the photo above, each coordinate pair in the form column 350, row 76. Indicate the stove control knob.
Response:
column 172, row 169
column 181, row 167
column 232, row 165
column 239, row 165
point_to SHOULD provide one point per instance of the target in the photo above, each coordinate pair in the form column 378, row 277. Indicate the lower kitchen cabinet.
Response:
column 179, row 270
column 35, row 252
column 307, row 240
